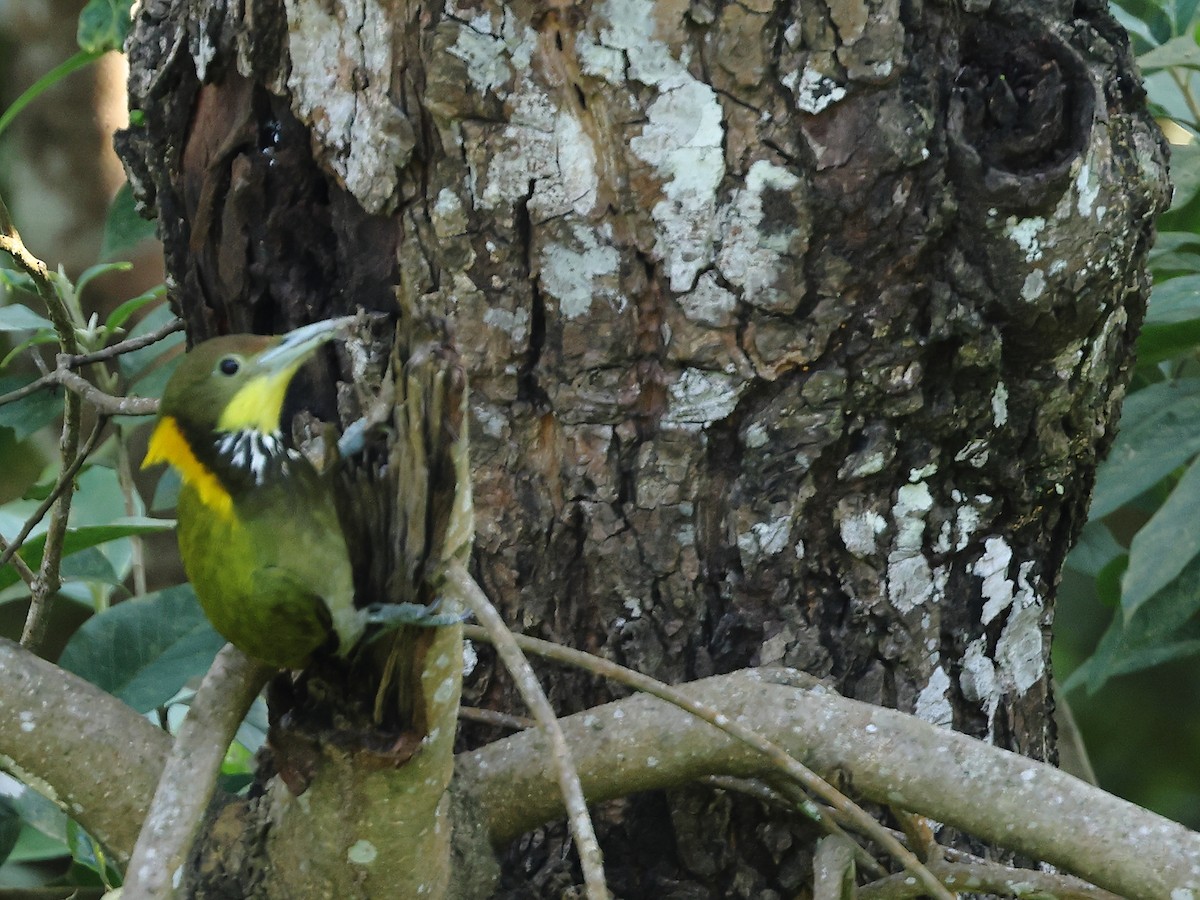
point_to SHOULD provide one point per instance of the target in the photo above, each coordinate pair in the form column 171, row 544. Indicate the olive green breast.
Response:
column 274, row 577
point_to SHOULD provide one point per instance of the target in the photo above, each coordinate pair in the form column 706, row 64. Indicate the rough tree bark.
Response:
column 795, row 330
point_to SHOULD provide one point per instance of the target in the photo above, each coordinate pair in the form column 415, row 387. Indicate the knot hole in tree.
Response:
column 1021, row 105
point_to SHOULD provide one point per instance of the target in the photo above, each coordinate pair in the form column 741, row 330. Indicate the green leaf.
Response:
column 29, row 414
column 92, row 272
column 166, row 492
column 1179, row 52
column 1185, row 11
column 41, row 337
column 121, row 314
column 10, row 827
column 1164, row 545
column 1095, row 549
column 87, row 852
column 103, row 25
column 12, row 280
column 144, row 650
column 124, row 229
column 81, row 538
column 1164, row 628
column 51, row 78
column 1160, row 431
column 21, row 318
column 1151, row 15
column 1174, row 300
column 136, row 363
column 89, row 565
column 1161, row 342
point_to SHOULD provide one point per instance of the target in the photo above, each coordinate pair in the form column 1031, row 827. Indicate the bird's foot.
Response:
column 395, row 615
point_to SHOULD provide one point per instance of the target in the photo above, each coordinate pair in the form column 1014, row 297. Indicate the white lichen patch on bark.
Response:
column 448, row 214
column 1026, row 234
column 700, row 398
column 764, row 539
column 543, row 145
column 749, row 257
column 1000, row 405
column 992, row 567
column 578, row 275
column 859, row 528
column 814, row 92
column 1087, row 187
column 910, row 580
column 1033, row 286
column 514, row 323
column 493, row 52
column 340, row 82
column 362, row 853
column 1020, row 652
column 932, row 704
column 681, row 140
column 708, row 302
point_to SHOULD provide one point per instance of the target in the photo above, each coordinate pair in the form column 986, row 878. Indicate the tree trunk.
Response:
column 795, row 331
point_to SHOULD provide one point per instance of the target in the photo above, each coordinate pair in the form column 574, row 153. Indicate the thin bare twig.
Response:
column 494, row 718
column 64, row 480
column 47, row 580
column 801, row 774
column 984, row 877
column 76, row 384
column 56, row 377
column 495, row 632
column 125, row 346
column 105, row 403
column 189, row 778
column 10, row 555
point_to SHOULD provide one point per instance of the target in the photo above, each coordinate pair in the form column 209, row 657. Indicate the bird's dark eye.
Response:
column 229, row 365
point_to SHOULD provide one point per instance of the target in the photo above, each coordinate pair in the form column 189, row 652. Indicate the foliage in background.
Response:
column 1130, row 600
column 144, row 647
column 1142, row 543
column 1140, row 554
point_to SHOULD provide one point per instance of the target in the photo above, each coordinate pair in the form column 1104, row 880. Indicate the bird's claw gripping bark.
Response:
column 394, row 615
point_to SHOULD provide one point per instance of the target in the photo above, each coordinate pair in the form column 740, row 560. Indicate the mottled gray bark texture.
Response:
column 795, row 330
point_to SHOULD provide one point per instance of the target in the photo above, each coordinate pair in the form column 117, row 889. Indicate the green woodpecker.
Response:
column 258, row 530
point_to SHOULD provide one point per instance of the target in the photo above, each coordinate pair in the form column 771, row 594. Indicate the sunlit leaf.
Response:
column 144, row 650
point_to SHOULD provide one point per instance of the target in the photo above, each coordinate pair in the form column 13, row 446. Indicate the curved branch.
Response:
column 190, row 775
column 49, row 720
column 81, row 747
column 642, row 743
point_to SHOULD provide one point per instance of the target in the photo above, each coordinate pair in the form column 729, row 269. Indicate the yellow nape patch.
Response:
column 167, row 444
column 259, row 403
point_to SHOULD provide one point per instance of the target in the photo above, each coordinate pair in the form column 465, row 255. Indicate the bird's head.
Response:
column 232, row 385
